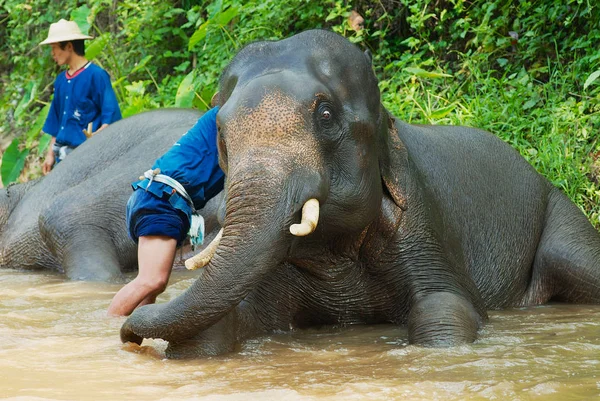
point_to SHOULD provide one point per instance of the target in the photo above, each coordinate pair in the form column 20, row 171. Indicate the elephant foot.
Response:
column 442, row 320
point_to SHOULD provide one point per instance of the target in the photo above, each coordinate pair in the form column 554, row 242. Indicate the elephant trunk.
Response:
column 254, row 241
column 307, row 225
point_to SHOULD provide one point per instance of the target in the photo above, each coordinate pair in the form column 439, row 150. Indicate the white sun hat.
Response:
column 62, row 31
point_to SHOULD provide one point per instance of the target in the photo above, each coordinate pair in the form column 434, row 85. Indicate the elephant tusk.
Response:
column 202, row 259
column 310, row 218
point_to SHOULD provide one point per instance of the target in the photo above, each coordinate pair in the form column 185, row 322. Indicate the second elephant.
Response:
column 73, row 220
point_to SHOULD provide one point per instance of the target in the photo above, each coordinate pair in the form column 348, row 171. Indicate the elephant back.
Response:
column 95, row 179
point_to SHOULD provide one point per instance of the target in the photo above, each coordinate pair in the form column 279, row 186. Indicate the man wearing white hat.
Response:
column 84, row 101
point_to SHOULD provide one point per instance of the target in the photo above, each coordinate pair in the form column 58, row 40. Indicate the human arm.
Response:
column 101, row 128
column 106, row 101
column 49, row 160
column 51, row 127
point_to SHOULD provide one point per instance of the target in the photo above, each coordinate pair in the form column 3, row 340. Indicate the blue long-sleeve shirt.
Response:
column 194, row 162
column 85, row 97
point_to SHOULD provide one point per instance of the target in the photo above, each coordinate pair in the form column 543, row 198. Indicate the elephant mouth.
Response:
column 308, row 224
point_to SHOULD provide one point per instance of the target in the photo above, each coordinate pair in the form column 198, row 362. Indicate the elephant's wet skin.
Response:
column 423, row 226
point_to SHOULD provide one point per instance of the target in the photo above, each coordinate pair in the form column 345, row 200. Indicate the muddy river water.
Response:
column 56, row 343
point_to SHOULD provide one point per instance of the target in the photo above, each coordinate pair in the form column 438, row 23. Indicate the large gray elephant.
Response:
column 73, row 220
column 337, row 213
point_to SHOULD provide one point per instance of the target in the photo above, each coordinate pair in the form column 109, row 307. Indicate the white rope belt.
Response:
column 154, row 175
column 196, row 232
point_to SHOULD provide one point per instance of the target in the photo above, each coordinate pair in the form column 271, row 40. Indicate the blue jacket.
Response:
column 194, row 162
column 86, row 97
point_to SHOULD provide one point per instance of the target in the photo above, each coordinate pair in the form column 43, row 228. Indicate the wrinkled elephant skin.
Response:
column 73, row 220
column 423, row 226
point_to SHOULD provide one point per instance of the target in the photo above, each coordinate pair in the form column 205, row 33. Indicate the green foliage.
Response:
column 13, row 160
column 528, row 71
column 185, row 92
column 591, row 79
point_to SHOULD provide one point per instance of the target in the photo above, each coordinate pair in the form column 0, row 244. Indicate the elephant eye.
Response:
column 325, row 113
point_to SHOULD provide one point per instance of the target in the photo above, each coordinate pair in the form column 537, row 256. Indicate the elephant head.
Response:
column 300, row 120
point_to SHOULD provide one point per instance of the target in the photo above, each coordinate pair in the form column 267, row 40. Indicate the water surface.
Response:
column 56, row 343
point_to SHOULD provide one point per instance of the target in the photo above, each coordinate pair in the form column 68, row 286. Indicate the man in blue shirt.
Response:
column 84, row 102
column 159, row 212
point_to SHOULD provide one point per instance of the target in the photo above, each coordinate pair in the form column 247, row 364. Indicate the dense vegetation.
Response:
column 524, row 70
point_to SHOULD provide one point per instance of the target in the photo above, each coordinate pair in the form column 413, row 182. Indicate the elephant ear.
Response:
column 393, row 164
column 369, row 56
column 393, row 167
column 214, row 100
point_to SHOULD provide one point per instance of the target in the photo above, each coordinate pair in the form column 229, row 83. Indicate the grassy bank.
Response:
column 526, row 71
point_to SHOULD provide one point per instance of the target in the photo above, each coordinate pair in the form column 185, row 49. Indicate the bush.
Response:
column 524, row 70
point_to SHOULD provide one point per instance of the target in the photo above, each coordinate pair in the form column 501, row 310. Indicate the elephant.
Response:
column 337, row 213
column 73, row 220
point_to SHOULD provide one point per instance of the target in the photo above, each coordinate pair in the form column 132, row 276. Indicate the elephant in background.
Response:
column 73, row 220
column 337, row 213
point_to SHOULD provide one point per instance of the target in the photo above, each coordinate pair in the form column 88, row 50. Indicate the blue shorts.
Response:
column 148, row 214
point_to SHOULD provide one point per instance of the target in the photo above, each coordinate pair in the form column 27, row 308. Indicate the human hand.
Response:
column 48, row 163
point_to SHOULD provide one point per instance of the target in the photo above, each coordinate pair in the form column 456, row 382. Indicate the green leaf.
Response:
column 119, row 81
column 136, row 88
column 530, row 103
column 593, row 76
column 35, row 129
column 223, row 18
column 425, row 74
column 202, row 100
column 13, row 161
column 81, row 15
column 43, row 144
column 443, row 112
column 185, row 92
column 332, row 14
column 198, row 35
column 141, row 64
column 29, row 95
column 95, row 47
